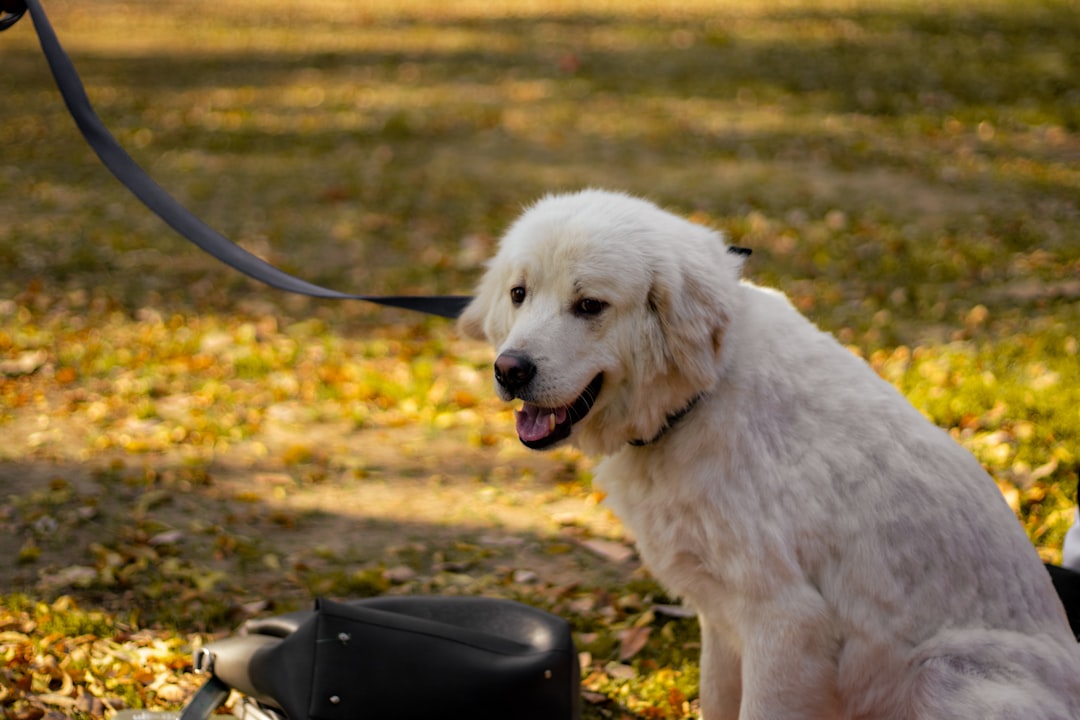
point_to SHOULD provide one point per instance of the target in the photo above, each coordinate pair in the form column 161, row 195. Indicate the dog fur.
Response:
column 847, row 559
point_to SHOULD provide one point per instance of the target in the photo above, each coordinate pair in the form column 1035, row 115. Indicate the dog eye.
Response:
column 517, row 295
column 589, row 306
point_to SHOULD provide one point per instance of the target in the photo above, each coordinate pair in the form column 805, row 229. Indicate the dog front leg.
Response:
column 721, row 676
column 790, row 664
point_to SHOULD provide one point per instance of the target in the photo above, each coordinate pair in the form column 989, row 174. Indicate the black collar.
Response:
column 670, row 422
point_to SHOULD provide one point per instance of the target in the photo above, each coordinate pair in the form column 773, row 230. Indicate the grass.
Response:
column 182, row 445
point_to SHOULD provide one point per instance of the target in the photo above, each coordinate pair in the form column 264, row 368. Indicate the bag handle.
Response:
column 164, row 205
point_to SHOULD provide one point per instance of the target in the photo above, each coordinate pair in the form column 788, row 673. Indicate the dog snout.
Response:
column 513, row 371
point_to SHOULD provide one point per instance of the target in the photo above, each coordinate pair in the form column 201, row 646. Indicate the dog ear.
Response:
column 473, row 318
column 693, row 308
column 478, row 319
column 471, row 321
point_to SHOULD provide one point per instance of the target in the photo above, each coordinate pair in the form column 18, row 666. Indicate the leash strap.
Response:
column 179, row 218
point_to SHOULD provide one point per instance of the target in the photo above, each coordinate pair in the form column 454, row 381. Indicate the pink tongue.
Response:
column 534, row 422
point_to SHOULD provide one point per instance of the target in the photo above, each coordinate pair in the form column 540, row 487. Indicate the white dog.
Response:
column 846, row 558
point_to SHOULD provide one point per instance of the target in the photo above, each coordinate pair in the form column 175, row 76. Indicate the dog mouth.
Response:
column 541, row 427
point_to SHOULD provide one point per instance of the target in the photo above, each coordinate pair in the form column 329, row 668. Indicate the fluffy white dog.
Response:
column 846, row 558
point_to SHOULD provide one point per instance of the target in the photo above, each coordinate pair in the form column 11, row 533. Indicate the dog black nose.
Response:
column 513, row 371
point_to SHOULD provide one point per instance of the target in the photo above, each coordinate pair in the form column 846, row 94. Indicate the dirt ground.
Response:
column 387, row 510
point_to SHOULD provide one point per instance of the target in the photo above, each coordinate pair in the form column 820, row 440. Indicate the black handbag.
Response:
column 397, row 657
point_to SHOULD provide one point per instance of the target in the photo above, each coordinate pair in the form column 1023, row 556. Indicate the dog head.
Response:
column 607, row 313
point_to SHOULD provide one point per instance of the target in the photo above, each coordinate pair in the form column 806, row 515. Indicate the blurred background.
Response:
column 184, row 448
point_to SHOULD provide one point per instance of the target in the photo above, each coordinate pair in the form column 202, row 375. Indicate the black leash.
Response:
column 179, row 218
